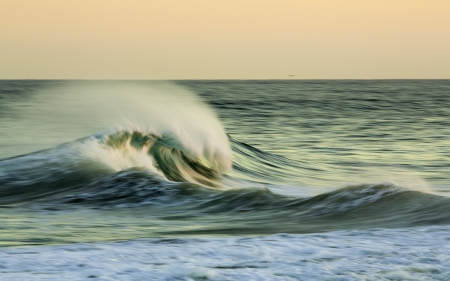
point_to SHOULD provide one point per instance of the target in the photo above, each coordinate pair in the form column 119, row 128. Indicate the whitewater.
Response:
column 224, row 180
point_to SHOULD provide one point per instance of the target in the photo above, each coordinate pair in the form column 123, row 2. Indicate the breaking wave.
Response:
column 165, row 150
column 162, row 153
column 178, row 186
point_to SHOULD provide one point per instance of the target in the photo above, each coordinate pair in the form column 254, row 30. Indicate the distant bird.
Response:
column 291, row 75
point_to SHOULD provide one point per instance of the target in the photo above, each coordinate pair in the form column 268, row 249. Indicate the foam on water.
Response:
column 378, row 254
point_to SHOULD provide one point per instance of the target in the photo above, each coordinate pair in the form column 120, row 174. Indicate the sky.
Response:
column 224, row 39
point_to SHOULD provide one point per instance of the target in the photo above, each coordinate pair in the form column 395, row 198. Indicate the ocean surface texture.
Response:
column 225, row 180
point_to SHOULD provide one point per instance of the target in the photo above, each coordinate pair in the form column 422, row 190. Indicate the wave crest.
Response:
column 164, row 154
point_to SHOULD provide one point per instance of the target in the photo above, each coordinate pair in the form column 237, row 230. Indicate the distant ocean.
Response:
column 225, row 180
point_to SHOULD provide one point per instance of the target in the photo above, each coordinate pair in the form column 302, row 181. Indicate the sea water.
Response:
column 225, row 180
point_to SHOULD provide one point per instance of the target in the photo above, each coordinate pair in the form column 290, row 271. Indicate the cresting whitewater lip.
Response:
column 52, row 116
column 167, row 155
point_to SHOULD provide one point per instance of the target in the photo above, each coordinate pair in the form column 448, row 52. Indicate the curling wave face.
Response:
column 164, row 153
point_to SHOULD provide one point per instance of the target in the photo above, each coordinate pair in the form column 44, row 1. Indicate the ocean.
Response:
column 225, row 180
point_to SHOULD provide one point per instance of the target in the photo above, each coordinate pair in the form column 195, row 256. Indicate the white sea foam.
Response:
column 380, row 254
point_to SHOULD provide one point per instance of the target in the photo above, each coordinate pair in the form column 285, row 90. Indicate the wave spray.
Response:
column 153, row 125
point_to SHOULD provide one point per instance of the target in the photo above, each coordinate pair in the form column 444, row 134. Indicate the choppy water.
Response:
column 217, row 180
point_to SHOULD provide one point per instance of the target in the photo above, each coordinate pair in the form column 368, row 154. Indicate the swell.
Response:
column 179, row 186
column 75, row 165
column 255, row 165
column 259, row 210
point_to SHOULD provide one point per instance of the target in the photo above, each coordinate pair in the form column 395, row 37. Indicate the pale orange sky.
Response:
column 224, row 39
